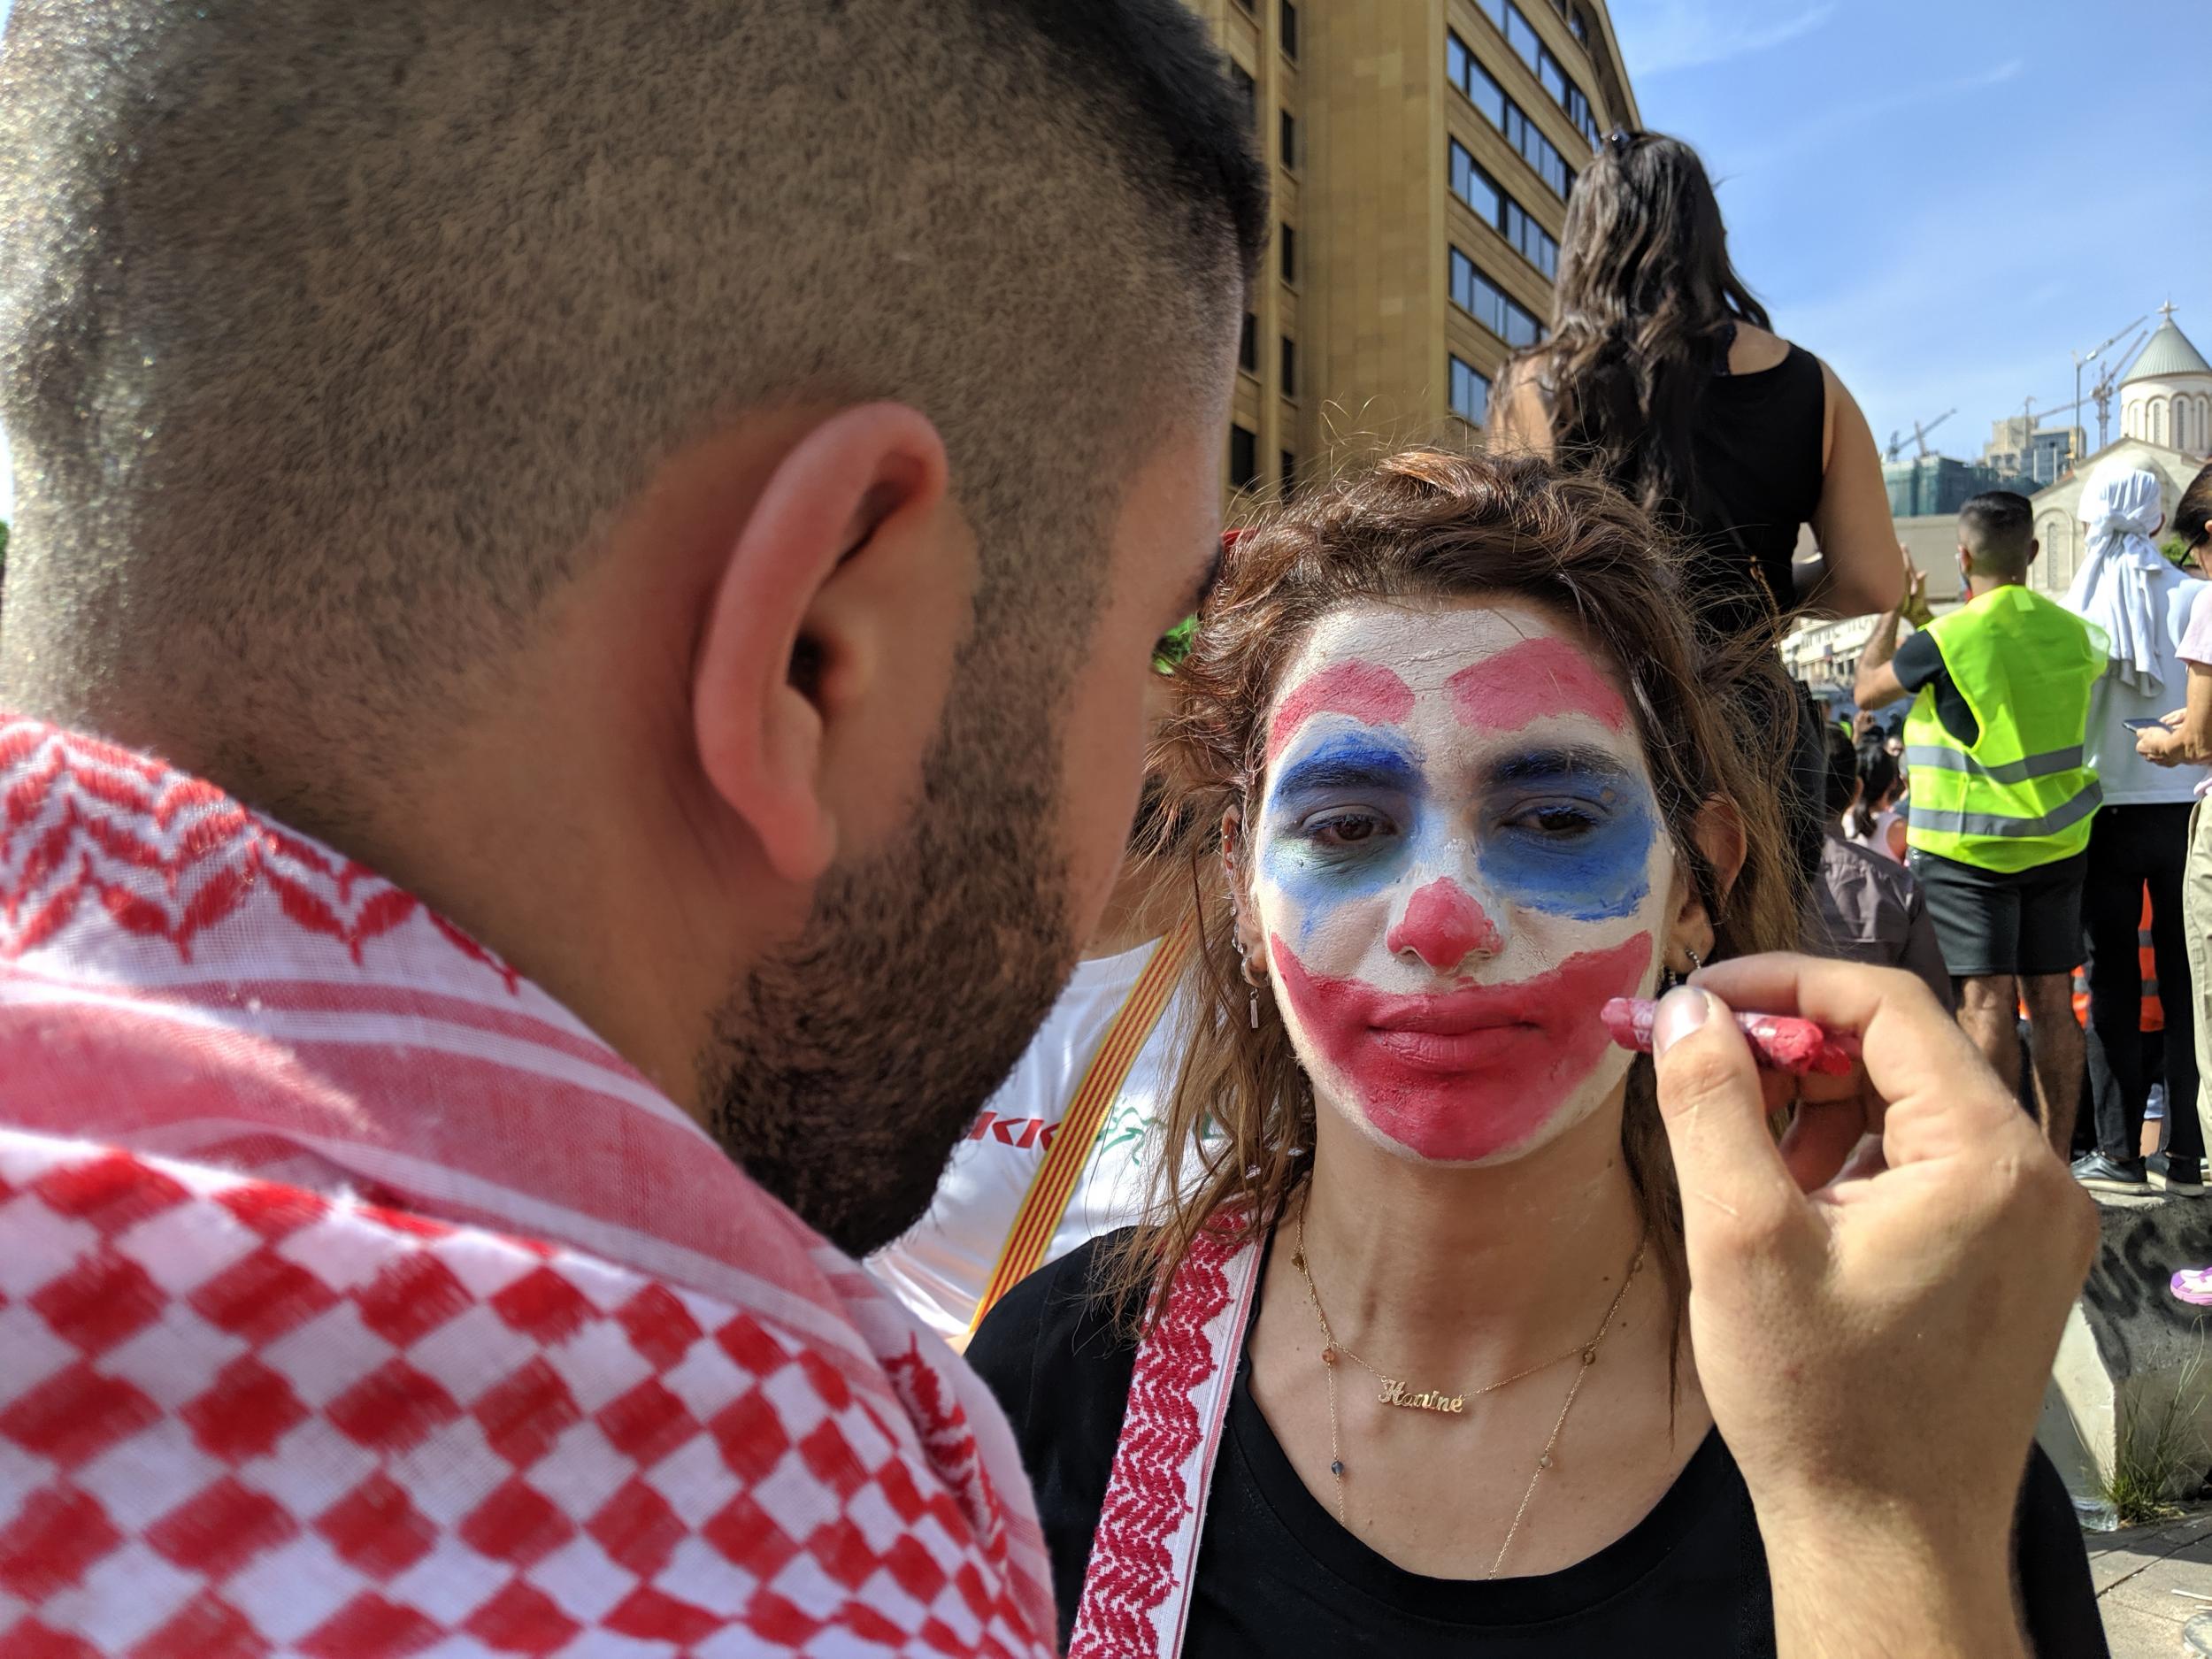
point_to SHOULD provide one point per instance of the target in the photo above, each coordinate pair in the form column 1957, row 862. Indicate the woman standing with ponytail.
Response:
column 1664, row 373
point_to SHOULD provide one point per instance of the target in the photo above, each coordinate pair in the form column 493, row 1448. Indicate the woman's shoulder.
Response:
column 1060, row 1332
column 1755, row 349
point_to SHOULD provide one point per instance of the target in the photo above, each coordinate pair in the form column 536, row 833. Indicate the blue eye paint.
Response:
column 1359, row 772
column 1589, row 864
column 1597, row 875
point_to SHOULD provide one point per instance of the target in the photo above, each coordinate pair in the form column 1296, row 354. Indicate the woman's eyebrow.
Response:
column 1348, row 763
column 1539, row 765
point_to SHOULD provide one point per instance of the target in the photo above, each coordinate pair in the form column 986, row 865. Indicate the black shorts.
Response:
column 1989, row 922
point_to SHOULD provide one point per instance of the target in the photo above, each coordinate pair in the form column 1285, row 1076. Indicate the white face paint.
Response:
column 1457, row 860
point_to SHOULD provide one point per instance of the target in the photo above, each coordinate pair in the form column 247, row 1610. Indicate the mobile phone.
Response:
column 2144, row 725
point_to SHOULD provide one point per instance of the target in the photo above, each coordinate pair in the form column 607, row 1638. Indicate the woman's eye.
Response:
column 1346, row 829
column 1557, row 819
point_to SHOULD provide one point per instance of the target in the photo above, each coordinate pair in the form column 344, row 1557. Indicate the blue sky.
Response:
column 1946, row 198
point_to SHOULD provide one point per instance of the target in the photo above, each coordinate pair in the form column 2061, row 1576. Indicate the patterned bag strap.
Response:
column 1053, row 1186
column 1137, row 1589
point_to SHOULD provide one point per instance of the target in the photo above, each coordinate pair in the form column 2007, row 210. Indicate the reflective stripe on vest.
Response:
column 2011, row 771
column 2021, row 793
column 2059, row 817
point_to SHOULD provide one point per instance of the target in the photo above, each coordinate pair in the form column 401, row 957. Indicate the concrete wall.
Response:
column 2128, row 1346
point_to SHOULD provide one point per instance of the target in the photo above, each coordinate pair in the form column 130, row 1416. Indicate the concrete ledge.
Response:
column 2128, row 1343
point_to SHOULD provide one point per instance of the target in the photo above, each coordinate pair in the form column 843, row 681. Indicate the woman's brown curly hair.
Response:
column 1420, row 527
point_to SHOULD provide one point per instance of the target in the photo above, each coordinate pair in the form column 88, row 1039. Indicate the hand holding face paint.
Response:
column 1874, row 1303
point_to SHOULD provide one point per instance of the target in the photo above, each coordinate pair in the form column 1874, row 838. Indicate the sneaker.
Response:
column 2194, row 1285
column 2110, row 1175
column 2175, row 1174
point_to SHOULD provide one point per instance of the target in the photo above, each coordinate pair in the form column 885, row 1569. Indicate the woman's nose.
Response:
column 1444, row 925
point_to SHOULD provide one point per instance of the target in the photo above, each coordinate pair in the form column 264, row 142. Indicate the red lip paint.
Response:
column 1370, row 693
column 1531, row 679
column 1457, row 1076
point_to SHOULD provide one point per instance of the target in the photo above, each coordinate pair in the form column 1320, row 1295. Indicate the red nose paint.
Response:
column 1458, row 1075
column 1533, row 679
column 1442, row 925
column 1370, row 693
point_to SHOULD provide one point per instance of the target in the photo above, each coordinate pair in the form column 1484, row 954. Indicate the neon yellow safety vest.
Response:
column 2019, row 796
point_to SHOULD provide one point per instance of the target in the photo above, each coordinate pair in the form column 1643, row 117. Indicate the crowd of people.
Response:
column 591, row 1063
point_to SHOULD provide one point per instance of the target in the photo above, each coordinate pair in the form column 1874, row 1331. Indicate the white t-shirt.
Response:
column 940, row 1268
column 2128, row 779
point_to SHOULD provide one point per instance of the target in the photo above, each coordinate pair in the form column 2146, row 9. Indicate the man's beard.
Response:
column 845, row 1069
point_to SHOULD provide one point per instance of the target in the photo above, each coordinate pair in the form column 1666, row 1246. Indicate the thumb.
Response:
column 1737, row 1193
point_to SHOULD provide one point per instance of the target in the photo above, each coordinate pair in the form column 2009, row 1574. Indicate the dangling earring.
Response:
column 1255, row 1007
column 1252, row 1005
column 1673, row 979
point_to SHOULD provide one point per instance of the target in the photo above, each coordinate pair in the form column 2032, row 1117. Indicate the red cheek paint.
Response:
column 1442, row 925
column 1457, row 1076
column 1370, row 693
column 1531, row 679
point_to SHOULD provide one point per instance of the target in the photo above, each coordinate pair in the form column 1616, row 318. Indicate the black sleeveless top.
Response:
column 1757, row 441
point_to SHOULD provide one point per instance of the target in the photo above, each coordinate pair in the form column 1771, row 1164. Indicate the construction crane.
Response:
column 1920, row 431
column 2102, row 393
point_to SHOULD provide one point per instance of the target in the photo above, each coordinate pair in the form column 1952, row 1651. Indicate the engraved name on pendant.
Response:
column 1394, row 1393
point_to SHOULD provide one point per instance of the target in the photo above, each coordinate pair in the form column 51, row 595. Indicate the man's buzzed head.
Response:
column 333, row 335
column 1997, row 532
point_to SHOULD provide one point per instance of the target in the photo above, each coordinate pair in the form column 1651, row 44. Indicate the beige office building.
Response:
column 1422, row 151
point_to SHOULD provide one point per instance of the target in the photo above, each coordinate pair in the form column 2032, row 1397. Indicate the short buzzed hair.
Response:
column 2193, row 514
column 1997, row 529
column 334, row 337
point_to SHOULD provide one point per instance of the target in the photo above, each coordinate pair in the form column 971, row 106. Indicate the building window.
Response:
column 1549, row 73
column 1290, row 30
column 1471, row 392
column 1471, row 185
column 1521, row 35
column 1244, row 457
column 1289, row 126
column 1290, row 366
column 1492, row 205
column 1290, row 475
column 1530, row 239
column 1502, row 112
column 1248, row 345
column 1490, row 305
column 1247, row 93
column 1289, row 239
column 1536, row 150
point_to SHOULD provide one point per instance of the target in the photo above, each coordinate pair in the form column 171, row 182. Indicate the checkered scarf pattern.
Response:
column 356, row 1301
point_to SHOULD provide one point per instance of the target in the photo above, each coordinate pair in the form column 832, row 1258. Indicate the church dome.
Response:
column 2166, row 396
column 2167, row 352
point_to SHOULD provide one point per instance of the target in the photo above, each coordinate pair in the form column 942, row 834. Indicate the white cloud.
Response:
column 1660, row 35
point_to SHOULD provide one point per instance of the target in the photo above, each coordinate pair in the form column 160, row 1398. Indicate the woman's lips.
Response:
column 1469, row 1029
column 1457, row 1075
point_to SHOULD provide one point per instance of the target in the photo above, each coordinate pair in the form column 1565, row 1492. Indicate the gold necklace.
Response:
column 1391, row 1395
column 1395, row 1392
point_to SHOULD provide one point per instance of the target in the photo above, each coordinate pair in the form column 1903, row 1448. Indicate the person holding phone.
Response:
column 2144, row 606
column 2183, row 739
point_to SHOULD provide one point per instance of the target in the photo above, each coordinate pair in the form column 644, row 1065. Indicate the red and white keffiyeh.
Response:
column 355, row 1299
column 1137, row 1588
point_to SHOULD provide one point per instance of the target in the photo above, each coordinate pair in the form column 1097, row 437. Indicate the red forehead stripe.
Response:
column 1534, row 678
column 1370, row 693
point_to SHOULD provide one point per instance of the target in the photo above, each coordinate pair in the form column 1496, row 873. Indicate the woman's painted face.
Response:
column 1457, row 860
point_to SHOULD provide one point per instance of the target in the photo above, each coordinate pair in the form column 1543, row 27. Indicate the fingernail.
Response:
column 1680, row 1012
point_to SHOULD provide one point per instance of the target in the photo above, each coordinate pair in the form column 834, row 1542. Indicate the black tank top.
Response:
column 1757, row 443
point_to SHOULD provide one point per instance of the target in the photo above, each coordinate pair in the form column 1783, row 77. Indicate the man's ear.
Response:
column 806, row 613
column 2035, row 550
column 1719, row 833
